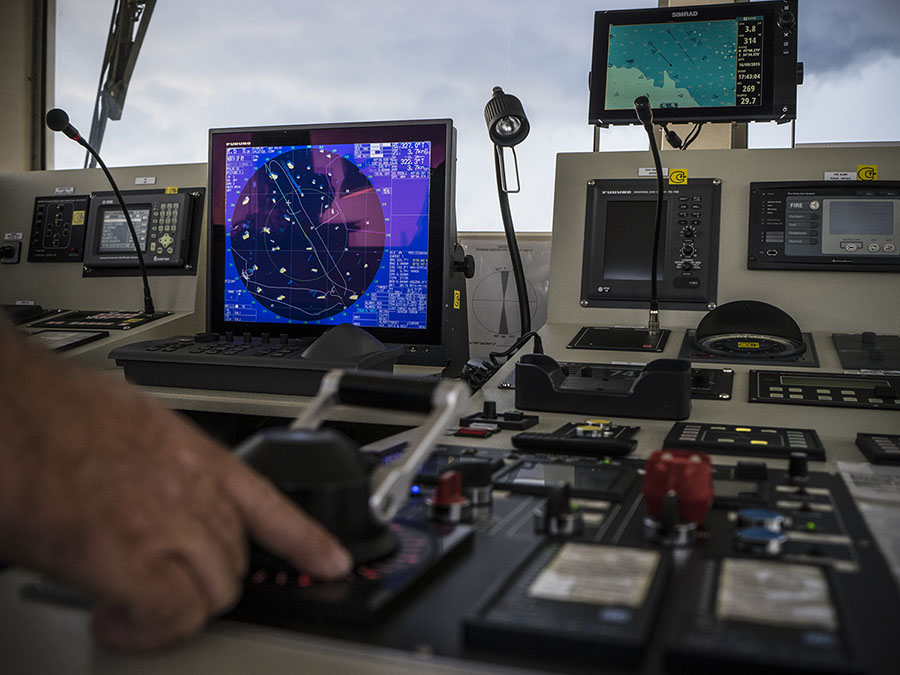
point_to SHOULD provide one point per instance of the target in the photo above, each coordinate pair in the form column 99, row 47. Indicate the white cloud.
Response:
column 232, row 63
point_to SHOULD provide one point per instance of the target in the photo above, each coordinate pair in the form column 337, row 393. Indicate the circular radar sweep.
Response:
column 307, row 234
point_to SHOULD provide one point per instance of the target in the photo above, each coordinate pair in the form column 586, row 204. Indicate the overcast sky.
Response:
column 224, row 63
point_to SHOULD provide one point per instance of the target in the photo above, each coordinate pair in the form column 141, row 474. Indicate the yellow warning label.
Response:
column 457, row 299
column 677, row 176
column 77, row 217
column 748, row 345
column 171, row 190
column 867, row 172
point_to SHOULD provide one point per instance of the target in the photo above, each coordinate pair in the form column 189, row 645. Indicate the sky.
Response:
column 222, row 63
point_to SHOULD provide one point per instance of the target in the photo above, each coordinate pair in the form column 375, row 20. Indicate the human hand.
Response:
column 109, row 491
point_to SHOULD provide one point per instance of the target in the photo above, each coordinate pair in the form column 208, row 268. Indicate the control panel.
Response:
column 163, row 222
column 669, row 564
column 618, row 244
column 57, row 229
column 825, row 226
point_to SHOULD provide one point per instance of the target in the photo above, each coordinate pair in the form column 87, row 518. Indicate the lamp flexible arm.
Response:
column 512, row 244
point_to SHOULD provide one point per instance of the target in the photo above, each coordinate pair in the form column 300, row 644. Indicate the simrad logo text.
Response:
column 678, row 15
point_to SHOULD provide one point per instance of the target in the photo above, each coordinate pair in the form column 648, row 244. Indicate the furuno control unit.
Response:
column 166, row 222
column 618, row 244
column 825, row 225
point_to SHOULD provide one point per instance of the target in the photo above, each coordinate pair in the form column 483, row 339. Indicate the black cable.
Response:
column 515, row 256
column 517, row 345
column 691, row 137
column 478, row 371
column 672, row 138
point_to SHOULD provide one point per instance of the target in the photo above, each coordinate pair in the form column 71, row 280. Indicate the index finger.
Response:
column 281, row 527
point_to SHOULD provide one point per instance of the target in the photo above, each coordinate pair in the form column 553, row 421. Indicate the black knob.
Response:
column 324, row 472
column 466, row 266
column 477, row 481
column 489, row 411
column 687, row 250
column 206, row 337
column 798, row 468
column 688, row 231
column 868, row 337
column 558, row 516
column 686, row 266
column 787, row 20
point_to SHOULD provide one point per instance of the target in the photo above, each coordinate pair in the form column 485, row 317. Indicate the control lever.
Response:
column 327, row 475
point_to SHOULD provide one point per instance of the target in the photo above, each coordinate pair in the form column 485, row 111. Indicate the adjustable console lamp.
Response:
column 507, row 127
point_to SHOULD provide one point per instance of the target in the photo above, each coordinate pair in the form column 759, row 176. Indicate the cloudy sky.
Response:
column 218, row 63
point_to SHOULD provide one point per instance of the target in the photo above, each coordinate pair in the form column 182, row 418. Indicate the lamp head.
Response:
column 506, row 121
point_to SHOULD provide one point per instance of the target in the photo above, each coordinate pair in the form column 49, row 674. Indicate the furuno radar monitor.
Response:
column 315, row 226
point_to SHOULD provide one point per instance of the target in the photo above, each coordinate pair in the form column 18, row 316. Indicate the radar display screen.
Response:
column 318, row 226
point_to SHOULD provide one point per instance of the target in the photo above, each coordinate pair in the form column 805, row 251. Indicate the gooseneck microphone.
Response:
column 644, row 113
column 645, row 116
column 58, row 120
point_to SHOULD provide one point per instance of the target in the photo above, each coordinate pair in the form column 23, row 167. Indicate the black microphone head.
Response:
column 642, row 108
column 57, row 119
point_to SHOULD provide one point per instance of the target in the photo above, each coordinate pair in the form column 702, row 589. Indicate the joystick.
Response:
column 328, row 476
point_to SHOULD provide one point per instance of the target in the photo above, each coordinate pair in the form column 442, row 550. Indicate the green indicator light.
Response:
column 810, row 526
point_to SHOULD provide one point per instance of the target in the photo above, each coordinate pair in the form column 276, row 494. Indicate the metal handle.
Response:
column 441, row 400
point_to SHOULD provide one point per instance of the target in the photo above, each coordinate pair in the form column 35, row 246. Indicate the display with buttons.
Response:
column 163, row 222
column 879, row 448
column 825, row 389
column 619, row 225
column 823, row 225
column 57, row 229
column 753, row 441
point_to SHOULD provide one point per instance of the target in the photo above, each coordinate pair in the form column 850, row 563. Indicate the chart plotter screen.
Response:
column 704, row 63
column 328, row 225
column 693, row 65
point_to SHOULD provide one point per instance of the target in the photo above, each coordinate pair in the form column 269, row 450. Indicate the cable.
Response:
column 477, row 372
column 691, row 137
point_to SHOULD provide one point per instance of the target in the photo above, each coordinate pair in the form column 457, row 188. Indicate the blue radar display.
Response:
column 308, row 234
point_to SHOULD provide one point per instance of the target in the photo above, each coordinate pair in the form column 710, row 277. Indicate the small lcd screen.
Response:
column 114, row 234
column 847, row 383
column 847, row 216
column 628, row 248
